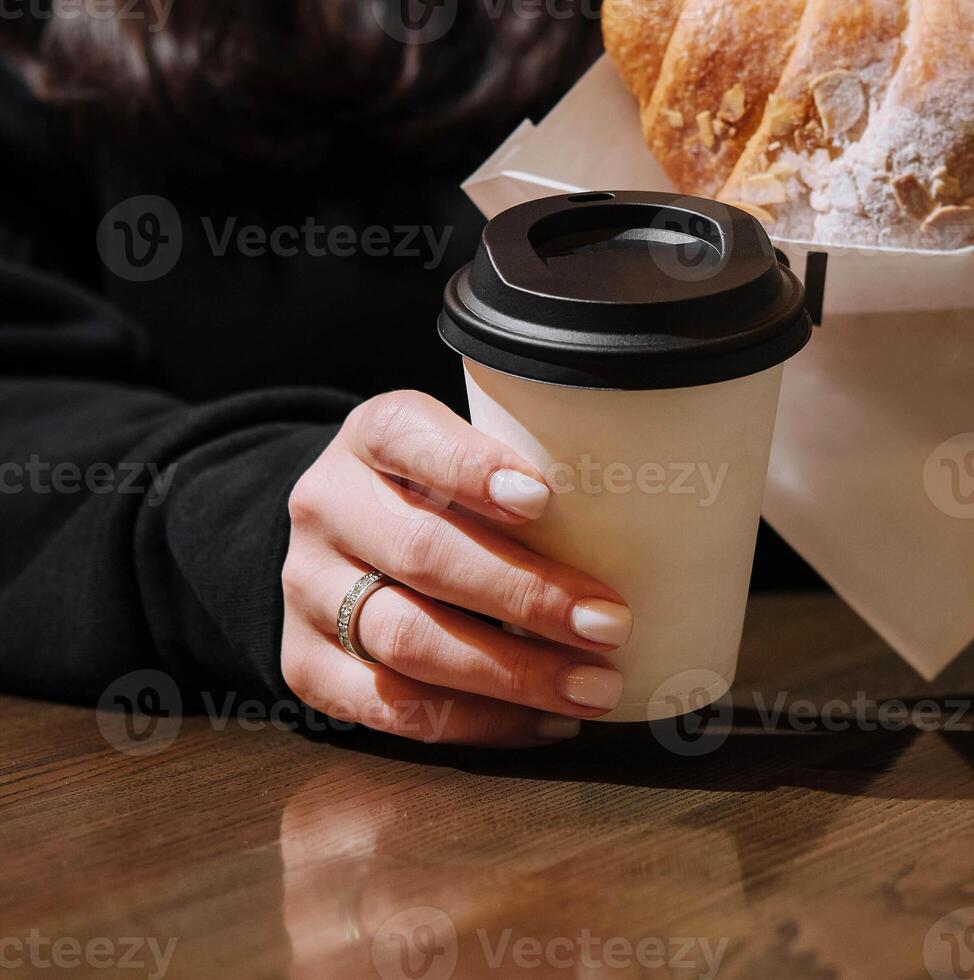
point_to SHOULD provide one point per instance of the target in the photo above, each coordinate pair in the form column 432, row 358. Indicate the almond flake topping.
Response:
column 675, row 119
column 841, row 101
column 782, row 170
column 765, row 189
column 734, row 104
column 912, row 197
column 945, row 187
column 783, row 118
column 705, row 125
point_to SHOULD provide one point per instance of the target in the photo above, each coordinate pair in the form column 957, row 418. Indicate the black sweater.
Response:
column 219, row 382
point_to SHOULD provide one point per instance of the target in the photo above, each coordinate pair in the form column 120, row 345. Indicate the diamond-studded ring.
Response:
column 350, row 609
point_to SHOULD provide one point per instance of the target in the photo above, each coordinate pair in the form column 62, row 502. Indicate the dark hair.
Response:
column 278, row 80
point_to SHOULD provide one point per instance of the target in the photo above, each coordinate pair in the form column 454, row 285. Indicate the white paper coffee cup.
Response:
column 653, row 430
column 657, row 494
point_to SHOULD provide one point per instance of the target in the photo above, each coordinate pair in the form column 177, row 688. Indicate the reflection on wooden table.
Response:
column 797, row 847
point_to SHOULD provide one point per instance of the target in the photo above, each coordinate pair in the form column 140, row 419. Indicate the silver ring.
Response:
column 351, row 607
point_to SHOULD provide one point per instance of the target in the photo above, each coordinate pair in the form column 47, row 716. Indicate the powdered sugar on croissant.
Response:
column 833, row 85
column 910, row 181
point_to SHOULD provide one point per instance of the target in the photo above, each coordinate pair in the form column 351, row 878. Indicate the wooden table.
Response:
column 770, row 850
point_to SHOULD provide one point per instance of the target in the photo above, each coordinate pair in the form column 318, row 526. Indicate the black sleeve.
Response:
column 136, row 531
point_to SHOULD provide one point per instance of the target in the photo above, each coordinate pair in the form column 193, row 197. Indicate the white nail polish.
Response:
column 557, row 727
column 602, row 621
column 518, row 493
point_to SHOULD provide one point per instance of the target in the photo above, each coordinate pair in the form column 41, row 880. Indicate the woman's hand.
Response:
column 412, row 490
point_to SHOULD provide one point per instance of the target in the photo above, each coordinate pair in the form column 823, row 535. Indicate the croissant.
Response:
column 839, row 121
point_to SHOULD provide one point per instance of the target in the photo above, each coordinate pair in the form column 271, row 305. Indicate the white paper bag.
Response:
column 872, row 470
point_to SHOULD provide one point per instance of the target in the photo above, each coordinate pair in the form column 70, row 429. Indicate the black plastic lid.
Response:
column 625, row 290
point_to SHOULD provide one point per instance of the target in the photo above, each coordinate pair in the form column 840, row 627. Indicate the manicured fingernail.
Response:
column 593, row 687
column 518, row 493
column 602, row 621
column 557, row 727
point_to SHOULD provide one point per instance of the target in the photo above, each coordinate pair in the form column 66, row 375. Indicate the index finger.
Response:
column 412, row 436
